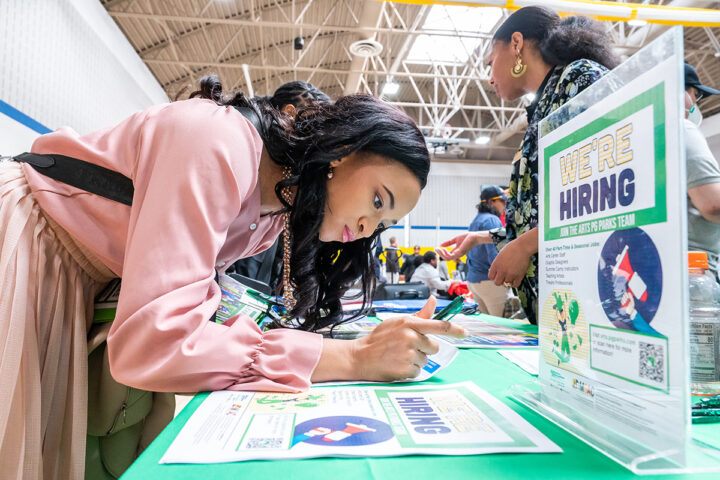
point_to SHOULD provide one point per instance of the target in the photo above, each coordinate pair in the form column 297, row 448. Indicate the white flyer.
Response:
column 453, row 419
column 527, row 359
column 482, row 334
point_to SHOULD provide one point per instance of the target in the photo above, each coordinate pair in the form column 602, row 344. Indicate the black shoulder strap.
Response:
column 251, row 117
column 94, row 178
column 83, row 175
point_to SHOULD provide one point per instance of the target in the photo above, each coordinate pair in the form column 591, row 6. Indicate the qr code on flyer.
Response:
column 652, row 362
column 259, row 443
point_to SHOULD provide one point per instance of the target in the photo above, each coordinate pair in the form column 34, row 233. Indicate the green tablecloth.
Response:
column 487, row 369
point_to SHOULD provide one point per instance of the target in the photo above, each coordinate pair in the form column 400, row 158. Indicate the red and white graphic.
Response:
column 635, row 283
column 350, row 429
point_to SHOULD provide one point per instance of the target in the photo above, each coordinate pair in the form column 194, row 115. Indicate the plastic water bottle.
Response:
column 704, row 327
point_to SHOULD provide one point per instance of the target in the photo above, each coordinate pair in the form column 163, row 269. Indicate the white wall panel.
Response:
column 14, row 136
column 448, row 201
column 65, row 62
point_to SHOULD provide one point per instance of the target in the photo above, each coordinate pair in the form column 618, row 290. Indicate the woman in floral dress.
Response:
column 534, row 51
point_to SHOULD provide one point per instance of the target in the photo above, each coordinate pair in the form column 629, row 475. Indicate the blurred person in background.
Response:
column 410, row 263
column 703, row 175
column 490, row 298
column 427, row 273
column 392, row 261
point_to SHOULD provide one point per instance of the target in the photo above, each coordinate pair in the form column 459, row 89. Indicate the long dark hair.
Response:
column 321, row 272
column 560, row 41
column 298, row 93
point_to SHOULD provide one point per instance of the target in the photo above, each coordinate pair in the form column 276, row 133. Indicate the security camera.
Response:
column 299, row 43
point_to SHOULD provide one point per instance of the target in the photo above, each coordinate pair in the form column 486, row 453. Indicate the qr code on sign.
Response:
column 652, row 362
column 258, row 443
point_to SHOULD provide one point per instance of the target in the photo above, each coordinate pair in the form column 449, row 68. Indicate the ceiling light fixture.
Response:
column 366, row 48
column 390, row 88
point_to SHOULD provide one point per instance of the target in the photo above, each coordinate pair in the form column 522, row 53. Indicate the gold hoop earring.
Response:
column 518, row 70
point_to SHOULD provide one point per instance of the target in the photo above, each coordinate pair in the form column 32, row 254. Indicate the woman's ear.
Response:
column 342, row 160
column 516, row 42
column 290, row 110
column 335, row 163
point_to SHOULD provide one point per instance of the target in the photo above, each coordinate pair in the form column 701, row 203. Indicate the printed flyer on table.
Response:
column 453, row 419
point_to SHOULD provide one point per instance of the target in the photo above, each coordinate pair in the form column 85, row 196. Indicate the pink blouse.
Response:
column 196, row 208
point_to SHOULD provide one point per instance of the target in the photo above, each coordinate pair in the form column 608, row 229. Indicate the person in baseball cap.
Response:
column 492, row 192
column 692, row 80
column 490, row 298
column 694, row 92
column 702, row 175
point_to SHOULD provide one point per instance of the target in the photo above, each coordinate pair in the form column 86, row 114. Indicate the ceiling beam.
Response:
column 406, row 74
column 305, row 26
column 452, row 105
column 195, row 29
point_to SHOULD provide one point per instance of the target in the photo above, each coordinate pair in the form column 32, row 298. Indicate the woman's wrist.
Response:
column 482, row 237
column 337, row 361
column 528, row 242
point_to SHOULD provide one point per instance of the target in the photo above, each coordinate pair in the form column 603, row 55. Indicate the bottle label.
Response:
column 705, row 351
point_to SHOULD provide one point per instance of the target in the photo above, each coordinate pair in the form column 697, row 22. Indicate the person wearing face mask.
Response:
column 703, row 175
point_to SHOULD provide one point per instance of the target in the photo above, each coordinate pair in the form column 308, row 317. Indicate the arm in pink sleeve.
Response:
column 197, row 166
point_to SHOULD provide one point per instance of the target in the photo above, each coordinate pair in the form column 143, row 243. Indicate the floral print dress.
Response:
column 521, row 213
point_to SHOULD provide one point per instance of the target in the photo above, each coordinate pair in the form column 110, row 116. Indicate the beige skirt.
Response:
column 47, row 286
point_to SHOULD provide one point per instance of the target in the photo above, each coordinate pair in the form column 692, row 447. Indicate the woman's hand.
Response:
column 463, row 244
column 397, row 349
column 512, row 261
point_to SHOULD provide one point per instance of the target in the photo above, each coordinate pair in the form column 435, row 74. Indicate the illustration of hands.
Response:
column 627, row 302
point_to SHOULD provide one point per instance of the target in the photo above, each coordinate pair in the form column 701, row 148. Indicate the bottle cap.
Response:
column 697, row 260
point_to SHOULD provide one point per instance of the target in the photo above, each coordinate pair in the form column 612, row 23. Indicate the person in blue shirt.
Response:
column 489, row 297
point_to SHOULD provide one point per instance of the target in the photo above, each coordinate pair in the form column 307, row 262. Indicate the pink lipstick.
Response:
column 347, row 235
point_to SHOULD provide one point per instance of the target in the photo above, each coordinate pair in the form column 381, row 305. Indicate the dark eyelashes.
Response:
column 377, row 201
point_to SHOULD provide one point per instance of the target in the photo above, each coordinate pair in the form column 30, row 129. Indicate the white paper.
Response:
column 482, row 334
column 389, row 315
column 526, row 359
column 454, row 419
column 473, row 324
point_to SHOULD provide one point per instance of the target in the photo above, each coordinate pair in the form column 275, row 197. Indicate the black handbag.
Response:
column 401, row 291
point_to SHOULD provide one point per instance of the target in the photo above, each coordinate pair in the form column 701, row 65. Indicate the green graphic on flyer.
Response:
column 564, row 327
column 565, row 312
column 287, row 402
